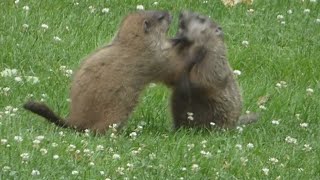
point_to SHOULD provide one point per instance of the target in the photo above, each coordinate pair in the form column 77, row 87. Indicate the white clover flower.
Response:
column 139, row 128
column 195, row 167
column 275, row 122
column 313, row 1
column 75, row 172
column 102, row 173
column 307, row 147
column 250, row 10
column 244, row 160
column 91, row 163
column 135, row 152
column 133, row 135
column 56, row 38
column 300, row 169
column 25, row 156
column 239, row 146
column 6, row 168
column 250, row 146
column 273, row 160
column 212, row 123
column 16, row 1
column 18, row 138
column 309, row 91
column 240, row 129
column 283, row 83
column 140, row 7
column 303, row 125
column 87, row 152
column 6, row 89
column 92, row 9
column 283, row 22
column 306, row 11
column 36, row 142
column 206, row 154
column 18, row 79
column 245, row 43
column 204, row 142
column 291, row 140
column 25, row 26
column 26, row 8
column 289, row 11
column 76, row 3
column 152, row 156
column 35, row 172
column 105, row 10
column 116, row 156
column 44, row 26
column 32, row 79
column 113, row 135
column 190, row 146
column 155, row 3
column 262, row 107
column 237, row 72
column 54, row 144
column 99, row 148
column 120, row 170
column 190, row 118
column 40, row 138
column 280, row 17
column 190, row 113
column 8, row 72
column 43, row 151
column 4, row 141
column 55, row 156
column 71, row 147
column 265, row 171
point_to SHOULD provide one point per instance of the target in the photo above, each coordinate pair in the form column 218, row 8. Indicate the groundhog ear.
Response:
column 146, row 26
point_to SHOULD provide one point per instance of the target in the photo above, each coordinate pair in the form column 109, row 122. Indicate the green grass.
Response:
column 275, row 53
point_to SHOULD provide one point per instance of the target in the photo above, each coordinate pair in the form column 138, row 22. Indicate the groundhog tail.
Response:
column 248, row 118
column 43, row 110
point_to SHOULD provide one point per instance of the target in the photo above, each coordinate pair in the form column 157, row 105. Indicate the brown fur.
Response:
column 106, row 88
column 214, row 93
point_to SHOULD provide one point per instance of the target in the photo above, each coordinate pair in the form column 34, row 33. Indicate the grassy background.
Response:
column 276, row 52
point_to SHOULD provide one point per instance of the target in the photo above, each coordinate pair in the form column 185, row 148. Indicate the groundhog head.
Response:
column 195, row 27
column 145, row 27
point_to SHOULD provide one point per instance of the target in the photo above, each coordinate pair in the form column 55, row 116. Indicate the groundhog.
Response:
column 107, row 85
column 213, row 98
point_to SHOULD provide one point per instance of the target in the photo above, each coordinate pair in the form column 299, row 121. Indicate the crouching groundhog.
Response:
column 106, row 88
column 213, row 97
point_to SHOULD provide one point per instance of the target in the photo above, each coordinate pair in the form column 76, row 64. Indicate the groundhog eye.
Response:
column 202, row 20
column 182, row 25
column 161, row 17
column 219, row 29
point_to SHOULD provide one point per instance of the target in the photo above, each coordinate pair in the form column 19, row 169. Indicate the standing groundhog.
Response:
column 213, row 97
column 106, row 88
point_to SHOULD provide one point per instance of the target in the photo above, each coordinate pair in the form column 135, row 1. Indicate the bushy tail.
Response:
column 248, row 118
column 43, row 110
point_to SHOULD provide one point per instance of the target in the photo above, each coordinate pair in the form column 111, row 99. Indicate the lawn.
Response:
column 275, row 45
